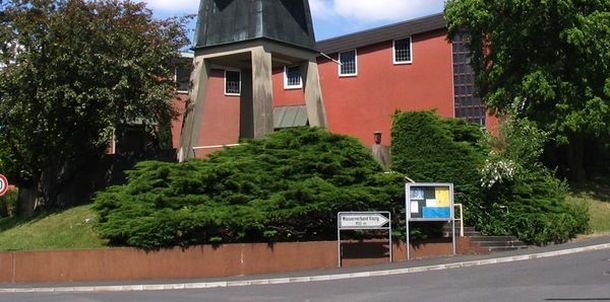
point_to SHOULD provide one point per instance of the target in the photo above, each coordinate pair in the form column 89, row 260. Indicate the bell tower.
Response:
column 254, row 37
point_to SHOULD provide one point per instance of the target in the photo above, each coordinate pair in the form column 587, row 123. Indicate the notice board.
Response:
column 429, row 201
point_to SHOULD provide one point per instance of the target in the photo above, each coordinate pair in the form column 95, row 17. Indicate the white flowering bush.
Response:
column 533, row 194
column 496, row 171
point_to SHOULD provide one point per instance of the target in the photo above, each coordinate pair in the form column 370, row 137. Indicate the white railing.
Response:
column 461, row 219
column 215, row 147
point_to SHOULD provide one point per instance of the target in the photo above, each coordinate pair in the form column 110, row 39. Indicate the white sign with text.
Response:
column 359, row 221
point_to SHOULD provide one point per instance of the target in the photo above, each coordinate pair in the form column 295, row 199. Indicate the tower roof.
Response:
column 223, row 22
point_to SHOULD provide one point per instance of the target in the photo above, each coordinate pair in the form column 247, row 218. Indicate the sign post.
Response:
column 3, row 185
column 363, row 221
column 429, row 202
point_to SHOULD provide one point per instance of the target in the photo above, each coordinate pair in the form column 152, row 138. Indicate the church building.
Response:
column 257, row 67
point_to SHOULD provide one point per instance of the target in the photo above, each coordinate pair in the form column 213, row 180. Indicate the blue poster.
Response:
column 436, row 212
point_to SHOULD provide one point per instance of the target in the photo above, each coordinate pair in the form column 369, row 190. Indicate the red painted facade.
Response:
column 357, row 105
column 363, row 104
column 283, row 96
column 179, row 106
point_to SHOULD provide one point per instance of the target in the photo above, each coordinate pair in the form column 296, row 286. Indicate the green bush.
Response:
column 427, row 148
column 532, row 199
column 286, row 187
column 8, row 204
column 499, row 179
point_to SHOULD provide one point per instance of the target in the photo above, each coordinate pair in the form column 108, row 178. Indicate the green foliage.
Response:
column 547, row 61
column 71, row 72
column 427, row 148
column 286, row 187
column 550, row 57
column 532, row 204
column 499, row 179
column 8, row 204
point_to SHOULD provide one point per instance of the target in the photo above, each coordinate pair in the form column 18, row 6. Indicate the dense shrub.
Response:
column 286, row 187
column 8, row 204
column 427, row 148
column 499, row 179
column 531, row 203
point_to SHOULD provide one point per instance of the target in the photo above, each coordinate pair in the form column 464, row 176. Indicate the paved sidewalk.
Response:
column 576, row 246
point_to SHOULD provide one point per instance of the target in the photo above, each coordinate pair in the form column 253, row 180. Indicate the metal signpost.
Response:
column 363, row 221
column 3, row 185
column 429, row 202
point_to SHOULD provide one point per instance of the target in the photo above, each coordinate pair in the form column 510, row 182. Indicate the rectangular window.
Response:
column 232, row 82
column 403, row 51
column 183, row 77
column 292, row 77
column 349, row 63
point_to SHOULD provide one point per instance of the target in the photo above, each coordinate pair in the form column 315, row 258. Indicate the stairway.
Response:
column 487, row 243
column 498, row 243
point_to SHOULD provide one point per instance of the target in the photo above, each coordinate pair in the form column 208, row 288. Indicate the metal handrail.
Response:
column 459, row 205
column 215, row 147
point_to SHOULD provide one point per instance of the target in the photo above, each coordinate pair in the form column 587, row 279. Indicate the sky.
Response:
column 331, row 18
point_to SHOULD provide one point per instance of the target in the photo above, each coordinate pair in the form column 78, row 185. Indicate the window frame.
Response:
column 287, row 86
column 176, row 81
column 225, row 82
column 410, row 61
column 345, row 75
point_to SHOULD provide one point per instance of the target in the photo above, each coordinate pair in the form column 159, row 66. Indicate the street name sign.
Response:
column 347, row 221
column 362, row 221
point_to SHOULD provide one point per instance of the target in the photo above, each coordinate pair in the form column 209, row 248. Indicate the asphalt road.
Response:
column 577, row 277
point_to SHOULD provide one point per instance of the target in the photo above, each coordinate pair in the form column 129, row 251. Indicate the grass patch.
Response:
column 596, row 195
column 70, row 229
column 73, row 228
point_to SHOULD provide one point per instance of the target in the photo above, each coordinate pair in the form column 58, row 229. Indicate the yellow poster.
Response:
column 442, row 197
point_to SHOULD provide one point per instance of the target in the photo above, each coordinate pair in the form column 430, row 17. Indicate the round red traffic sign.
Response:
column 3, row 185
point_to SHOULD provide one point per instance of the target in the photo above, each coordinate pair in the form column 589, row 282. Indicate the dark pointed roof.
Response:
column 223, row 22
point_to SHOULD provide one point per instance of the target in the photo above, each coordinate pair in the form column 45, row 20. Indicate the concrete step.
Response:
column 448, row 235
column 466, row 233
column 493, row 238
column 488, row 243
column 498, row 243
column 447, row 228
column 505, row 248
column 515, row 243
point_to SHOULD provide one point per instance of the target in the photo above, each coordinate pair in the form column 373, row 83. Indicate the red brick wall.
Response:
column 204, row 261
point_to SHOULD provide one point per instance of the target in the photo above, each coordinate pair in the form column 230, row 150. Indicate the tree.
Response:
column 548, row 61
column 81, row 70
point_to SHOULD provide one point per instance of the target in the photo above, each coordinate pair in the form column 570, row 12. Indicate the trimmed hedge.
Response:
column 427, row 148
column 286, row 187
